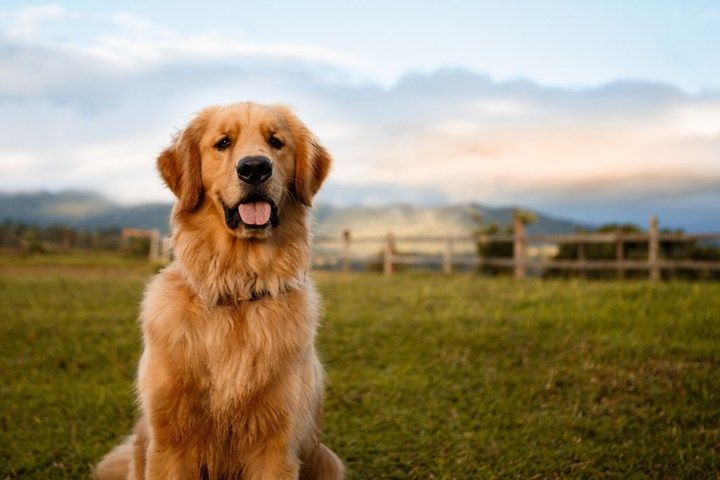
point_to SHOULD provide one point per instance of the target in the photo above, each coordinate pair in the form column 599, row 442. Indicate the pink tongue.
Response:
column 256, row 213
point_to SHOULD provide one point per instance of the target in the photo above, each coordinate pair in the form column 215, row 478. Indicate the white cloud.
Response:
column 131, row 41
column 133, row 23
column 27, row 20
column 701, row 120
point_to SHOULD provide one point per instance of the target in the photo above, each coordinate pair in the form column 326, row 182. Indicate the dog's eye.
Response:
column 275, row 142
column 223, row 143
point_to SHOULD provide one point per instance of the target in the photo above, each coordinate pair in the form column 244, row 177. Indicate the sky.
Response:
column 600, row 111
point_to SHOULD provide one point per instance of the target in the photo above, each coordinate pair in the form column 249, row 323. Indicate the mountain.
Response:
column 80, row 209
column 90, row 210
column 405, row 219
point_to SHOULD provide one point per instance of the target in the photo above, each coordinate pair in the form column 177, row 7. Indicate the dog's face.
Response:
column 250, row 161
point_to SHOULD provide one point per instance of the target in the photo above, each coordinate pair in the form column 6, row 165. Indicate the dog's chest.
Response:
column 243, row 369
column 244, row 351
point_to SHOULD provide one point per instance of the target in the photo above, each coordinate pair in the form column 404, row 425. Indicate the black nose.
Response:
column 254, row 170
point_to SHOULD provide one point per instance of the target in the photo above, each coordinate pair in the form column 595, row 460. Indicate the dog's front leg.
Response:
column 170, row 464
column 273, row 461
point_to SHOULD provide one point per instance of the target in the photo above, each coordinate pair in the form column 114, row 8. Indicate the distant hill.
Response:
column 90, row 210
column 81, row 210
column 403, row 219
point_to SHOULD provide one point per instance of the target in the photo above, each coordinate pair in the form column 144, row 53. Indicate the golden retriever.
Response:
column 229, row 383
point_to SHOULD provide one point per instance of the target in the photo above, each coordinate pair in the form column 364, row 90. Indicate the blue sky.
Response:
column 596, row 110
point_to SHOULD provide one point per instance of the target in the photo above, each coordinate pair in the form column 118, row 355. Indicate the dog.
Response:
column 229, row 382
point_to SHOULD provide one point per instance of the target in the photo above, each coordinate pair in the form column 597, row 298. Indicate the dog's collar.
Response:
column 235, row 300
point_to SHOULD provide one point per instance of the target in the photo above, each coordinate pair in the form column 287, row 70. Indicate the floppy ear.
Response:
column 312, row 160
column 312, row 165
column 179, row 164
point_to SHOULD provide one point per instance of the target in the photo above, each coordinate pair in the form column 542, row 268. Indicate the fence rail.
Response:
column 520, row 262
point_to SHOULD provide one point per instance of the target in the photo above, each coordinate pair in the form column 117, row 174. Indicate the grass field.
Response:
column 429, row 376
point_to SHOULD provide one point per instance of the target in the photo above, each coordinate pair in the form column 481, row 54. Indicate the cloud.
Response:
column 93, row 114
column 27, row 21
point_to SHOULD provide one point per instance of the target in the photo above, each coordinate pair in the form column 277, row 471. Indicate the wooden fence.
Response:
column 159, row 248
column 520, row 262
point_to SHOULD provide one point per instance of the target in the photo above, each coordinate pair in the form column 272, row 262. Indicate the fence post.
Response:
column 165, row 247
column 480, row 240
column 653, row 249
column 67, row 238
column 154, row 245
column 388, row 255
column 519, row 247
column 346, row 259
column 125, row 240
column 620, row 254
column 581, row 259
column 448, row 256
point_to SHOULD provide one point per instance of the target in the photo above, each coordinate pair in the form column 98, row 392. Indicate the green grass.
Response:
column 429, row 376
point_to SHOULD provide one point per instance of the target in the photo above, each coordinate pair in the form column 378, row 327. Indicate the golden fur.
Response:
column 231, row 387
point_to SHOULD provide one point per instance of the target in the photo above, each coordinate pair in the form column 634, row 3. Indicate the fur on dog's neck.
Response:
column 218, row 265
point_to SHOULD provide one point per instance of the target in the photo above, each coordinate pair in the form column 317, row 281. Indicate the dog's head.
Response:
column 249, row 160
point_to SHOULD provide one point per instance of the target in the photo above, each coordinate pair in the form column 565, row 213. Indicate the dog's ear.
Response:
column 311, row 169
column 179, row 164
column 312, row 160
